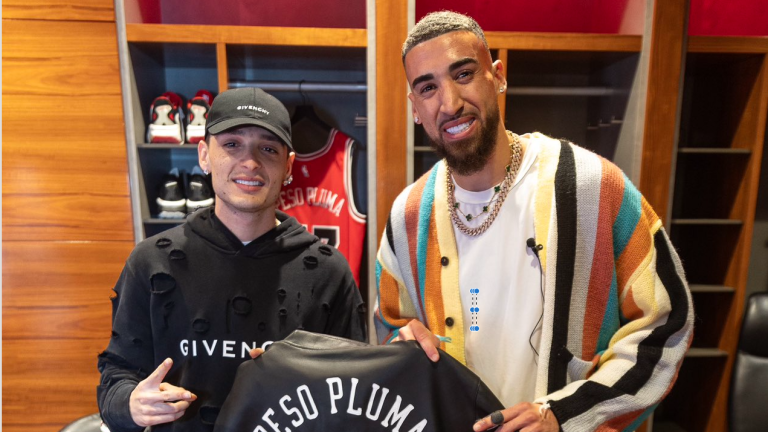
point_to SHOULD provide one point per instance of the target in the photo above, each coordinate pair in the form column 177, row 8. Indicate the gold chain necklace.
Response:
column 515, row 159
column 470, row 216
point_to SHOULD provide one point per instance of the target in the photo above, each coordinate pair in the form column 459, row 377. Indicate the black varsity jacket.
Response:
column 313, row 382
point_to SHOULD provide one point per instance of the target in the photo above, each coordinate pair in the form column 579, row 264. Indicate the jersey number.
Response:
column 328, row 234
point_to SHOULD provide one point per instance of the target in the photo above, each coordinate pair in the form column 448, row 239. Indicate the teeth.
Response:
column 459, row 128
column 249, row 183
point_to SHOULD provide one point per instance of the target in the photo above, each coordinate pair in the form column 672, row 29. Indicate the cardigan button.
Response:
column 449, row 322
column 444, row 261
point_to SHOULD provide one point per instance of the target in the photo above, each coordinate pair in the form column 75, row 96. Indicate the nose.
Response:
column 451, row 101
column 250, row 159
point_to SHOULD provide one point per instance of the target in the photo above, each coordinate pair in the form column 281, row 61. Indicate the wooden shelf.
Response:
column 705, row 353
column 563, row 41
column 715, row 150
column 167, row 146
column 707, row 222
column 728, row 44
column 721, row 131
column 566, row 91
column 701, row 288
column 245, row 35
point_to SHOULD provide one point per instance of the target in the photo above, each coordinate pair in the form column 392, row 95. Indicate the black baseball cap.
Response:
column 249, row 106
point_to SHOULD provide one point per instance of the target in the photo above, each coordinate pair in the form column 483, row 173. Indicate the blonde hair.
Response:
column 439, row 23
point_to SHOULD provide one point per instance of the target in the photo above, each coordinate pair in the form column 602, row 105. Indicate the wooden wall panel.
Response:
column 76, row 216
column 66, row 285
column 51, row 322
column 61, row 274
column 664, row 70
column 67, row 226
column 46, row 163
column 47, row 383
column 92, row 119
column 391, row 107
column 60, row 58
column 61, row 91
column 75, row 10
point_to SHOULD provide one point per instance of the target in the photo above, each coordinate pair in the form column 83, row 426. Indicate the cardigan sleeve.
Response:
column 629, row 377
column 394, row 307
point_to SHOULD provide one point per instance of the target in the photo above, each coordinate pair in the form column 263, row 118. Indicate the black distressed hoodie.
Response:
column 196, row 294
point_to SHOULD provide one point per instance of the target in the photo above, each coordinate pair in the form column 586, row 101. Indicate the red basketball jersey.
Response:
column 320, row 197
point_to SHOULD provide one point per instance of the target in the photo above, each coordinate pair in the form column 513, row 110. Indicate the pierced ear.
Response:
column 415, row 113
column 498, row 72
column 289, row 162
column 202, row 156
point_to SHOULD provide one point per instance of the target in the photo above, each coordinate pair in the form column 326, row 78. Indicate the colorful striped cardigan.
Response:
column 618, row 316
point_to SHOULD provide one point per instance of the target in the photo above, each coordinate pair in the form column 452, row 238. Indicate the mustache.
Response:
column 454, row 117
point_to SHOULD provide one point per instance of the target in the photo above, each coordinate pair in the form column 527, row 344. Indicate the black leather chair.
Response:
column 91, row 423
column 748, row 409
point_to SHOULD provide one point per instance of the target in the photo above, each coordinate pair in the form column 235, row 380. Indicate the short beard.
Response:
column 473, row 153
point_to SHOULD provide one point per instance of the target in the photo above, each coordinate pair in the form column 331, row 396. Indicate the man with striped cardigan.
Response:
column 533, row 261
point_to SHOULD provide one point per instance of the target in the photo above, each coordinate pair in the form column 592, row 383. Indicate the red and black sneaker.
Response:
column 197, row 109
column 166, row 118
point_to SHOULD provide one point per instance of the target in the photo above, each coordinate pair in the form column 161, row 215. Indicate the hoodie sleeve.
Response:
column 129, row 355
column 348, row 317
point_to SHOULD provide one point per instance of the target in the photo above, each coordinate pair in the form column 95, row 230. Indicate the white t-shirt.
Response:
column 505, row 273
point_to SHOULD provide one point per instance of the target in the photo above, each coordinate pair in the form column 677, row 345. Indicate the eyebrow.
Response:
column 455, row 65
column 459, row 63
column 271, row 137
column 421, row 79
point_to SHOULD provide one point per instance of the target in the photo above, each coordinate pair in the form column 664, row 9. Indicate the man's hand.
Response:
column 524, row 417
column 256, row 352
column 154, row 401
column 415, row 330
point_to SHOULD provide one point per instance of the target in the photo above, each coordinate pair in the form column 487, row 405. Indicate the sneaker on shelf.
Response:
column 197, row 110
column 166, row 119
column 199, row 193
column 170, row 197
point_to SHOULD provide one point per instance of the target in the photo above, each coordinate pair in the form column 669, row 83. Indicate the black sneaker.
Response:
column 170, row 197
column 199, row 193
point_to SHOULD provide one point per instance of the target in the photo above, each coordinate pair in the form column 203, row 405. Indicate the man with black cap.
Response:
column 201, row 298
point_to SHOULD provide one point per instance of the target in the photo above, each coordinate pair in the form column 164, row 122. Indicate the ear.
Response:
column 289, row 164
column 203, row 155
column 416, row 116
column 499, row 73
